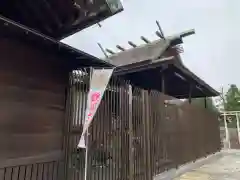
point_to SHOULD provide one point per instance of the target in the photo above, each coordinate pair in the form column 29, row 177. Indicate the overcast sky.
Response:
column 212, row 53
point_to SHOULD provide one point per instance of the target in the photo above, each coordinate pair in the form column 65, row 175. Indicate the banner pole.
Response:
column 98, row 82
column 86, row 139
column 86, row 157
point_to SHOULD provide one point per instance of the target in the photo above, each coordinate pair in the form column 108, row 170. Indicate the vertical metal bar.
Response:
column 122, row 119
column 43, row 169
column 118, row 136
column 115, row 139
column 149, row 126
column 154, row 113
column 131, row 160
column 110, row 109
column 120, row 110
column 162, row 115
column 101, row 145
column 74, row 124
column 52, row 171
column 148, row 140
column 98, row 143
column 136, row 123
column 125, row 116
column 139, row 147
column 121, row 133
column 145, row 149
column 92, row 137
column 134, row 136
column 4, row 174
column 31, row 172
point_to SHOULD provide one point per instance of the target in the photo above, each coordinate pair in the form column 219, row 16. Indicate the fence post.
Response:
column 238, row 127
column 131, row 160
column 226, row 130
column 67, row 127
column 146, row 124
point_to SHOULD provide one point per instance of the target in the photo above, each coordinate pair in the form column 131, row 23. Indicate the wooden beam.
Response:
column 132, row 44
column 37, row 15
column 159, row 34
column 160, row 29
column 120, row 48
column 145, row 39
column 41, row 158
column 110, row 51
column 52, row 14
column 187, row 33
column 100, row 46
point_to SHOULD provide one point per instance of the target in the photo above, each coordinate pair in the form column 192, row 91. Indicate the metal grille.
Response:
column 135, row 133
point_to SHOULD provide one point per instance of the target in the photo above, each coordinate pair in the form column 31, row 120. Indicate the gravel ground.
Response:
column 224, row 168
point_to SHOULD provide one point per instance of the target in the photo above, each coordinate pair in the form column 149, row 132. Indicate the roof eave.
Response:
column 197, row 79
column 27, row 31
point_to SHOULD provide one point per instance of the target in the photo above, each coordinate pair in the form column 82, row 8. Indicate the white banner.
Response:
column 98, row 83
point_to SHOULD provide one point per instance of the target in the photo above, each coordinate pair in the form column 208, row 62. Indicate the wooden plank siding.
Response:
column 32, row 100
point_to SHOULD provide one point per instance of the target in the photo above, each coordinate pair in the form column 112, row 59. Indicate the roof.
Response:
column 74, row 57
column 140, row 53
column 139, row 73
column 59, row 18
column 178, row 79
column 146, row 65
column 151, row 50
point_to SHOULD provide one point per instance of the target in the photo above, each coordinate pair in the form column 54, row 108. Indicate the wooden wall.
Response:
column 32, row 100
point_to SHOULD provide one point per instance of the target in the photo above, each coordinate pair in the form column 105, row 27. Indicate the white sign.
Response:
column 98, row 83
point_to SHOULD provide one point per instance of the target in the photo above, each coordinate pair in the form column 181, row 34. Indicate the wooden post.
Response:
column 131, row 160
column 163, row 83
column 146, row 133
column 190, row 94
column 205, row 102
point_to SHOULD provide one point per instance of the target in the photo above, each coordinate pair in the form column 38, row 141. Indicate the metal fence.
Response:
column 135, row 134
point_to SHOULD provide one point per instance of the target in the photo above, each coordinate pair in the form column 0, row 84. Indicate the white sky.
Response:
column 212, row 53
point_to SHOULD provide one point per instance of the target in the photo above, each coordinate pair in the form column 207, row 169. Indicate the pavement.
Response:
column 224, row 167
